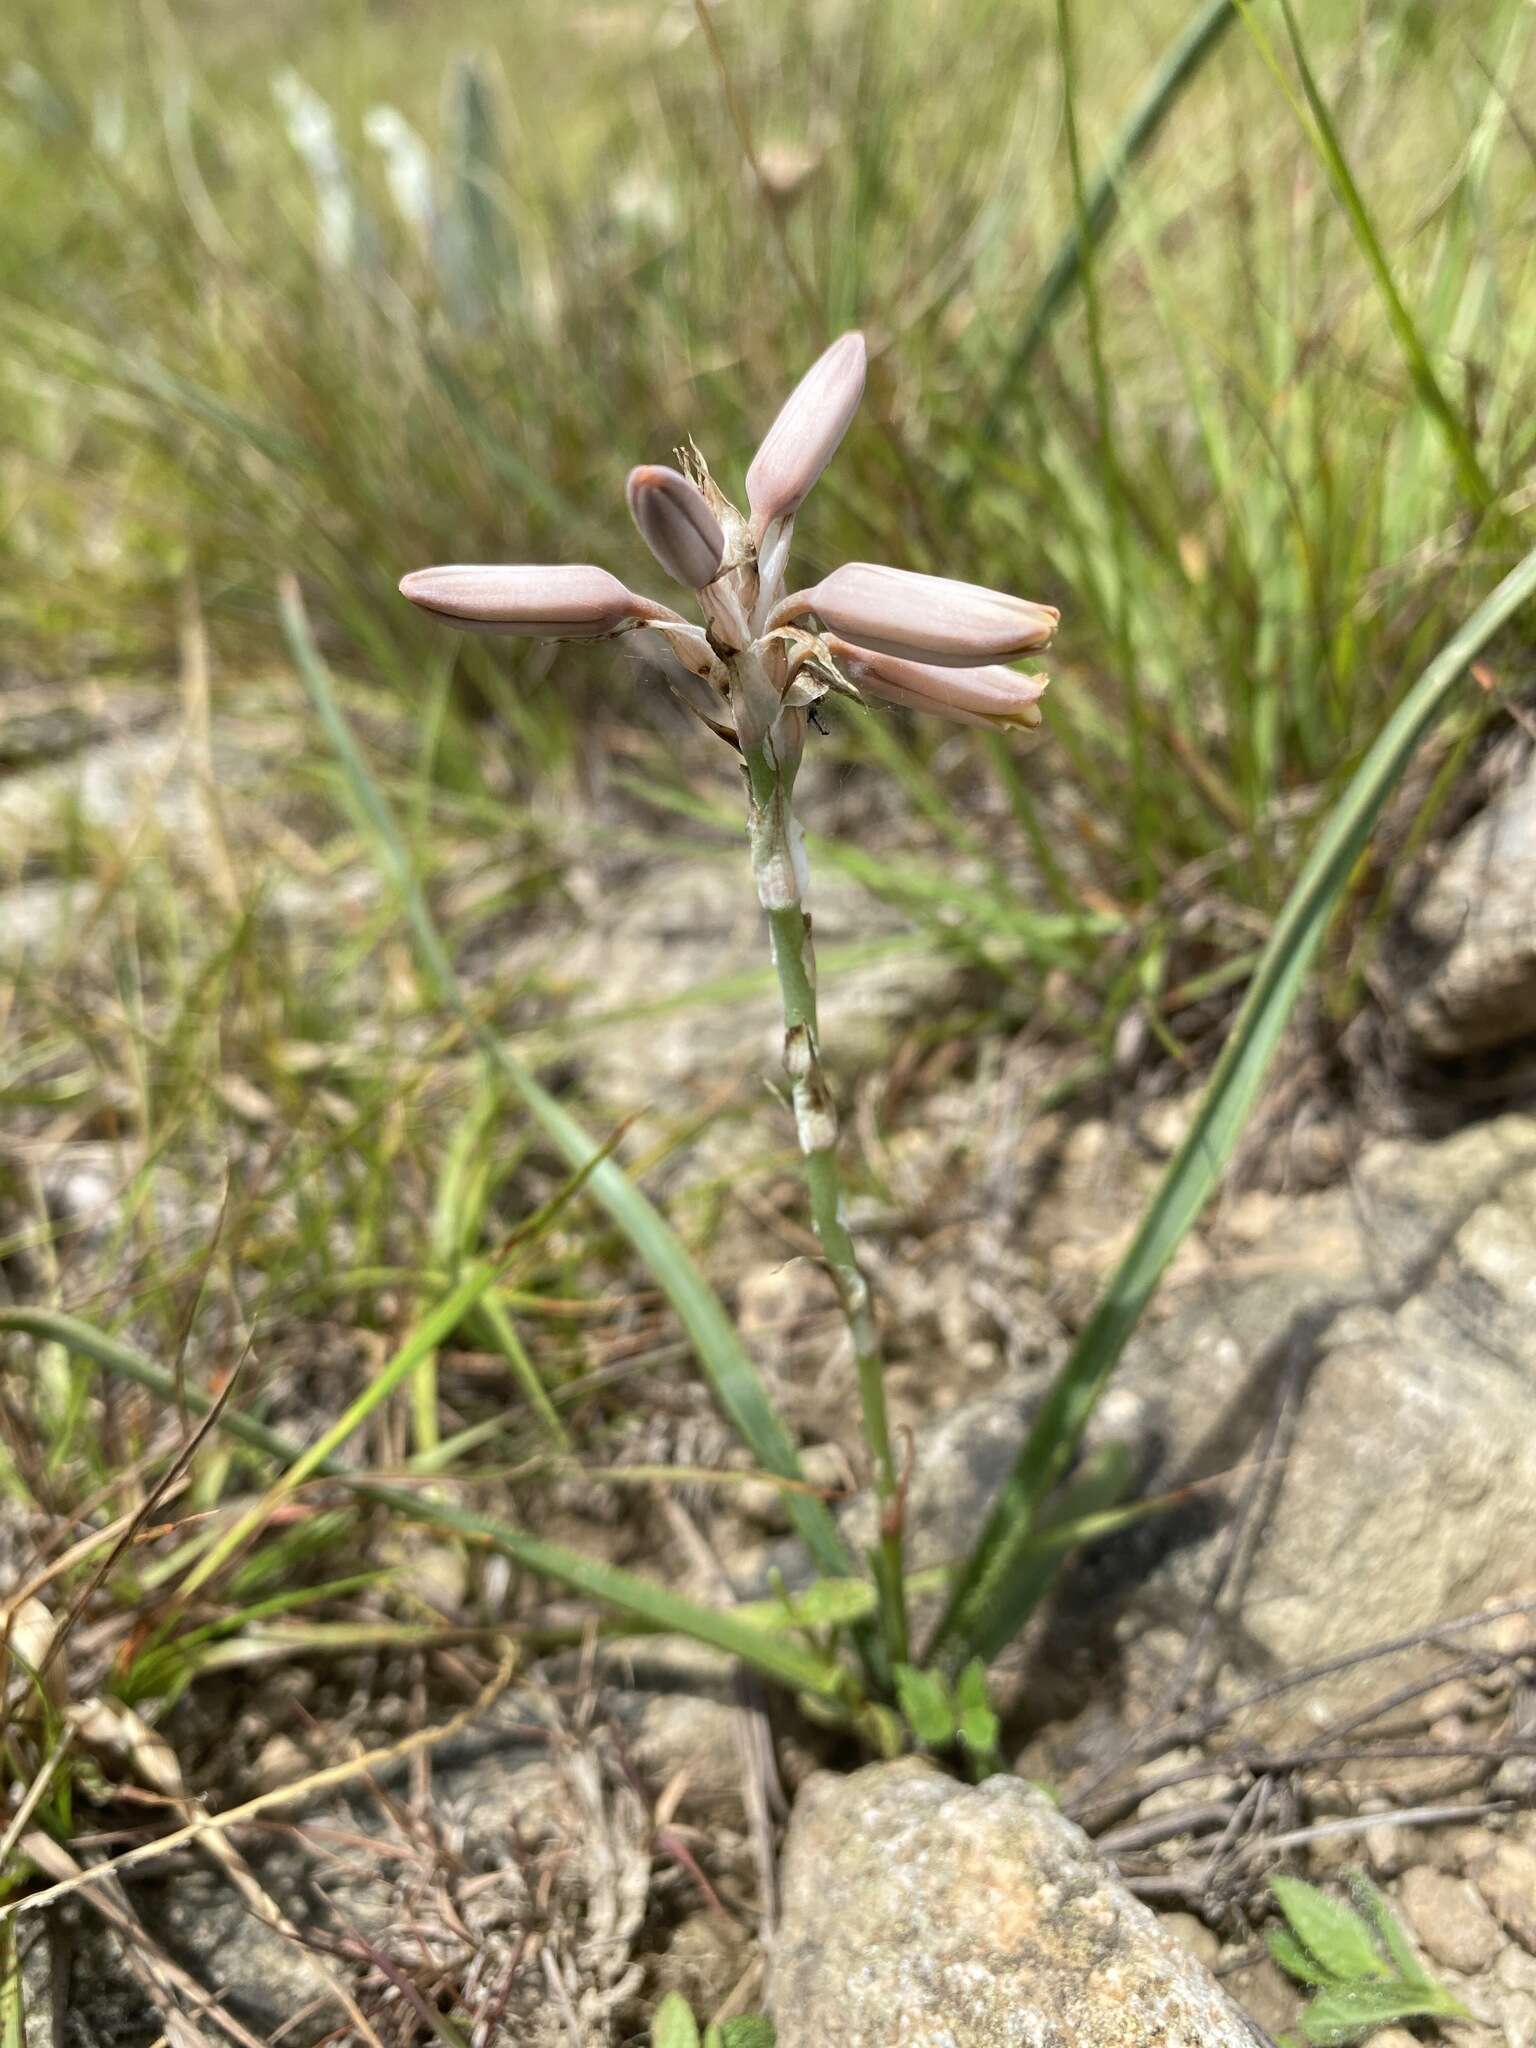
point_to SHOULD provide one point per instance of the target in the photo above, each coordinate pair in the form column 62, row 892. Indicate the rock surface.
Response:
column 696, row 926
column 1470, row 958
column 1378, row 1341
column 935, row 1915
column 1507, row 1882
column 1453, row 1925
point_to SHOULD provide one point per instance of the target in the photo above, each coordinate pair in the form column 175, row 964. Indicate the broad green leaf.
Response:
column 752, row 2030
column 1331, row 1932
column 978, row 1723
column 1294, row 1960
column 674, row 2025
column 1373, row 1906
column 925, row 1702
column 824, row 1603
column 975, row 1621
column 1081, row 1511
column 1349, row 2011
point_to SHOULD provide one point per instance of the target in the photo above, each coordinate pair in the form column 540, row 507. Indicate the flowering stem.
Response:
column 778, row 863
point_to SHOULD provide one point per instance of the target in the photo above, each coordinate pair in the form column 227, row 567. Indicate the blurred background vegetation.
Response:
column 347, row 288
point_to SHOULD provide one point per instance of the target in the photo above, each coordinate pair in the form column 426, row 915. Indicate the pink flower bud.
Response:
column 564, row 602
column 896, row 611
column 804, row 437
column 970, row 696
column 676, row 524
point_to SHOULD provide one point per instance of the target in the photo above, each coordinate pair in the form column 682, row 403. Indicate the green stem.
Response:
column 779, row 866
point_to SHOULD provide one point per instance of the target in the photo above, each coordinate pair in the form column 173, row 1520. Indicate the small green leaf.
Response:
column 881, row 1728
column 752, row 2030
column 674, row 2025
column 825, row 1603
column 926, row 1703
column 1345, row 2012
column 1335, row 1936
column 978, row 1724
column 1374, row 1907
column 1293, row 1958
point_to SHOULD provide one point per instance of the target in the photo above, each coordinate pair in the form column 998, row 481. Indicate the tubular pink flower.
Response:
column 761, row 661
column 804, row 437
column 676, row 524
column 992, row 696
column 929, row 618
column 562, row 602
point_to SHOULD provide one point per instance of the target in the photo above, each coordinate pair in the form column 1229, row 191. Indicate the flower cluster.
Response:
column 864, row 631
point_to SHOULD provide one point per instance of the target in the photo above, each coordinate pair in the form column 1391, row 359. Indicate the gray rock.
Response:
column 1385, row 1330
column 1507, row 1998
column 1470, row 963
column 1266, row 1995
column 695, row 926
column 1194, row 1934
column 107, row 788
column 39, row 918
column 1507, row 1882
column 1453, row 1925
column 42, row 2016
column 936, row 1915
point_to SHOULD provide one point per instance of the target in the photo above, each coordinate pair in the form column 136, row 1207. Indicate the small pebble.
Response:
column 1511, row 1634
column 1515, row 1779
column 1507, row 1881
column 1467, row 1847
column 280, row 1762
column 1266, row 1994
column 1194, row 1935
column 1453, row 1925
column 1456, row 1696
column 1384, row 1849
